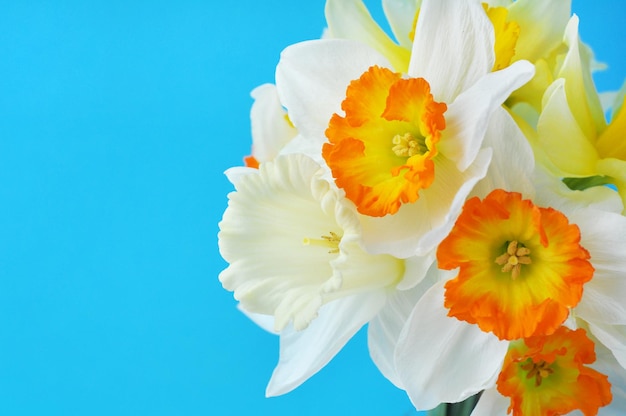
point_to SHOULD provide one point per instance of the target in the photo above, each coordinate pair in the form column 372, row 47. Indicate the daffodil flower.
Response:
column 271, row 127
column 293, row 244
column 407, row 150
column 557, row 374
column 573, row 137
column 577, row 262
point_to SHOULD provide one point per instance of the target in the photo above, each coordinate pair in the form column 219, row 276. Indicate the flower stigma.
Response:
column 330, row 241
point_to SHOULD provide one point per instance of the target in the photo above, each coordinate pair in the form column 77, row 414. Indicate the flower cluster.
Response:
column 459, row 187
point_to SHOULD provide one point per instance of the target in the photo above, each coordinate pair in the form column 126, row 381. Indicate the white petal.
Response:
column 417, row 228
column 304, row 353
column 266, row 322
column 612, row 337
column 433, row 345
column 312, row 78
column 603, row 234
column 512, row 165
column 270, row 126
column 607, row 365
column 453, row 46
column 234, row 174
column 350, row 19
column 468, row 116
column 491, row 403
column 384, row 330
column 552, row 192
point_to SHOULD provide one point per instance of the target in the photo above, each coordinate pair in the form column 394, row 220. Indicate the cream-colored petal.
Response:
column 312, row 78
column 612, row 337
column 491, row 403
column 453, row 46
column 350, row 19
column 384, row 330
column 543, row 23
column 304, row 353
column 468, row 116
column 293, row 243
column 433, row 345
column 561, row 138
column 512, row 164
column 616, row 169
column 603, row 235
column 580, row 89
column 271, row 128
column 417, row 228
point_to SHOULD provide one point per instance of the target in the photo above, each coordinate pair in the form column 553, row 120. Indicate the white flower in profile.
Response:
column 293, row 244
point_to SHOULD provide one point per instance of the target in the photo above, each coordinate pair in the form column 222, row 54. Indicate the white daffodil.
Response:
column 293, row 244
column 271, row 127
column 403, row 148
column 568, row 267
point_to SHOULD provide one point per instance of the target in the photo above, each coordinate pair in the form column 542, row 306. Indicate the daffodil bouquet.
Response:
column 458, row 186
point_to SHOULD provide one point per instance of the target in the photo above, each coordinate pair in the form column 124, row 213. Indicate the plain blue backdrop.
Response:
column 117, row 119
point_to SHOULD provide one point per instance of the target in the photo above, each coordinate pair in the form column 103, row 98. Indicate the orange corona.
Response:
column 381, row 152
column 547, row 375
column 521, row 267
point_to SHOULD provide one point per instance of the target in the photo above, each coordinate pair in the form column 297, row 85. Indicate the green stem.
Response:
column 463, row 408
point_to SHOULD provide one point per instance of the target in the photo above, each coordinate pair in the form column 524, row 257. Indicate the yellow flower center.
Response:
column 406, row 145
column 513, row 258
column 533, row 302
column 506, row 33
column 548, row 375
column 381, row 105
column 330, row 241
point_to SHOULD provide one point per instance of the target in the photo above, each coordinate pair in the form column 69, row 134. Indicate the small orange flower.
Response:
column 381, row 151
column 546, row 375
column 521, row 267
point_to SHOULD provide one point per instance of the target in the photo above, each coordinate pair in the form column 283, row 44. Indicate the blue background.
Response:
column 117, row 119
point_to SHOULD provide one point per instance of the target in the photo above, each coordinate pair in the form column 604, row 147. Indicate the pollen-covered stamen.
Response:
column 330, row 241
column 538, row 370
column 407, row 145
column 513, row 258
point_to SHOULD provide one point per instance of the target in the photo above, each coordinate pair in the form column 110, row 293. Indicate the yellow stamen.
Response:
column 538, row 370
column 329, row 241
column 406, row 145
column 513, row 258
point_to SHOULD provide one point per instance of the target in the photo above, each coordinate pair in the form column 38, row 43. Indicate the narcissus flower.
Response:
column 271, row 127
column 382, row 103
column 549, row 375
column 573, row 137
column 432, row 340
column 521, row 267
column 293, row 244
column 406, row 148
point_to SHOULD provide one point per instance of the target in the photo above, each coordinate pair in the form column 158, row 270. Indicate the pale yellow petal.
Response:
column 350, row 19
column 561, row 138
